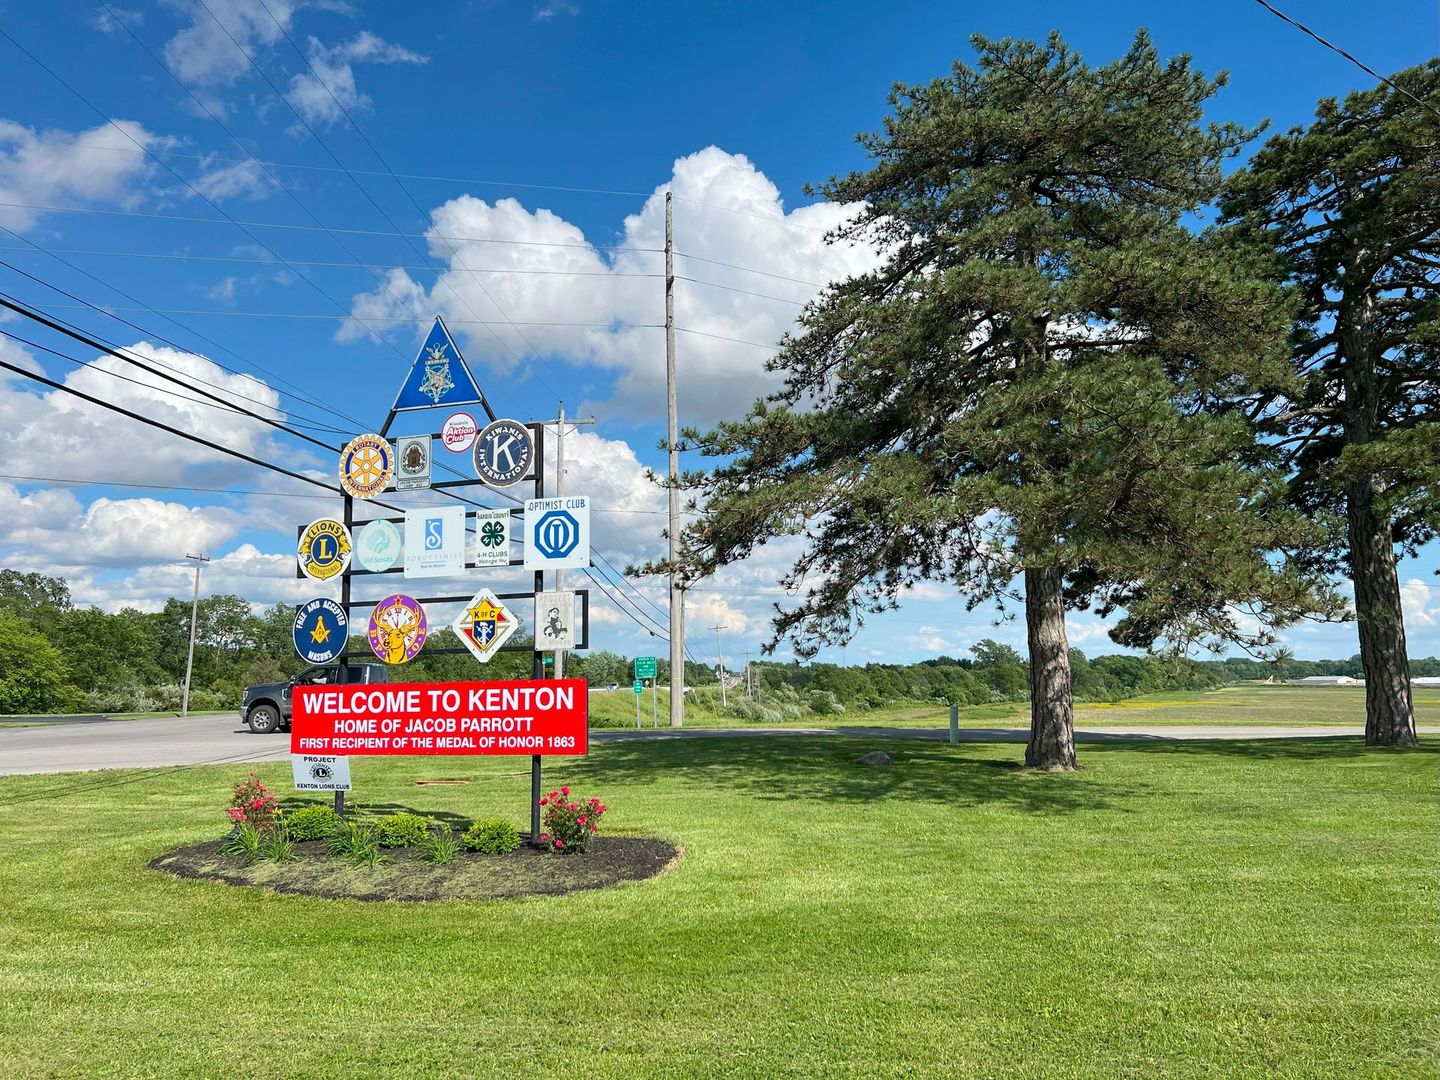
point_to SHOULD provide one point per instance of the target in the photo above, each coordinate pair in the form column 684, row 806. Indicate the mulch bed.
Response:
column 528, row 871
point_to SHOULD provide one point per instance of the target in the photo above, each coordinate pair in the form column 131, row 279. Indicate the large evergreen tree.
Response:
column 1352, row 207
column 1021, row 391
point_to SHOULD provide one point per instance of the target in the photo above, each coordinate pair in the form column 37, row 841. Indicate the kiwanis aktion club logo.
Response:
column 366, row 466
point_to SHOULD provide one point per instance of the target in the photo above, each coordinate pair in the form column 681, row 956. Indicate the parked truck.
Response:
column 267, row 707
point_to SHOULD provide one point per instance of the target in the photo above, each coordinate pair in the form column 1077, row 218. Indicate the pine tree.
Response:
column 1022, row 391
column 1351, row 206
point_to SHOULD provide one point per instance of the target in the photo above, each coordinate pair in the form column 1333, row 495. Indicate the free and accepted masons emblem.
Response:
column 366, row 466
column 324, row 549
column 398, row 629
column 321, row 630
column 485, row 625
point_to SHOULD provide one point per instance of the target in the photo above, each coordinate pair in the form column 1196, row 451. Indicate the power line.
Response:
column 292, row 227
column 75, row 482
column 722, row 337
column 341, row 264
column 743, row 292
column 210, row 202
column 1348, row 56
column 737, row 266
column 420, row 320
column 314, row 424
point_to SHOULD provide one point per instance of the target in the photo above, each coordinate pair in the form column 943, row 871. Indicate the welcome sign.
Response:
column 538, row 717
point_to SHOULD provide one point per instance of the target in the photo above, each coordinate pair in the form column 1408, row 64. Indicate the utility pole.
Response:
column 560, row 423
column 677, row 593
column 748, row 692
column 721, row 669
column 190, row 652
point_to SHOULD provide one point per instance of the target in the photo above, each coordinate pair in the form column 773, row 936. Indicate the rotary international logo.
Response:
column 366, row 466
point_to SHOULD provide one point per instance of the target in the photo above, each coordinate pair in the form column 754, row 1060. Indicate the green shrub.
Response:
column 399, row 830
column 246, row 841
column 318, row 822
column 824, row 703
column 438, row 847
column 355, row 841
column 493, row 836
column 278, row 847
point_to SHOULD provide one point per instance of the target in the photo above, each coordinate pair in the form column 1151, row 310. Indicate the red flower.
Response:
column 580, row 820
column 564, row 791
column 559, row 843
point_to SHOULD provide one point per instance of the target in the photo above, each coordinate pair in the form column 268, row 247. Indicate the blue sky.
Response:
column 494, row 113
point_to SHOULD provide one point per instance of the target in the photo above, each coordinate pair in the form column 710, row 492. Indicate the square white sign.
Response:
column 492, row 537
column 313, row 772
column 435, row 541
column 557, row 533
column 555, row 620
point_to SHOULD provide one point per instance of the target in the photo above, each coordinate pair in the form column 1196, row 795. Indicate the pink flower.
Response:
column 544, row 836
column 572, row 806
column 544, row 802
column 592, row 828
column 564, row 791
column 559, row 843
column 581, row 820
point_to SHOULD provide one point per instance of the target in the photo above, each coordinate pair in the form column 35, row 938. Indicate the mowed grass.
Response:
column 1237, row 909
column 1245, row 705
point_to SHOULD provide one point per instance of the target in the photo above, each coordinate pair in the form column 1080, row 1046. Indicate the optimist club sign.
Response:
column 542, row 717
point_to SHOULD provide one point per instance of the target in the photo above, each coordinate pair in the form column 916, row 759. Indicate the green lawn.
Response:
column 1170, row 911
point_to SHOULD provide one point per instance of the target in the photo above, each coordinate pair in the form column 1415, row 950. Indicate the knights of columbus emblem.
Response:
column 437, row 373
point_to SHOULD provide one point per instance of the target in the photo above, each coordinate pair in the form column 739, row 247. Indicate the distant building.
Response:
column 1329, row 680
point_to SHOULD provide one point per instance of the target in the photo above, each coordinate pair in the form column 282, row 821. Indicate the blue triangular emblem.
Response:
column 439, row 376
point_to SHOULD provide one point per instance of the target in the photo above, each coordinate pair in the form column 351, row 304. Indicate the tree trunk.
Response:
column 1389, row 706
column 1052, row 708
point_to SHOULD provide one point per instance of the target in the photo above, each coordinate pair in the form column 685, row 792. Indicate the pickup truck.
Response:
column 266, row 708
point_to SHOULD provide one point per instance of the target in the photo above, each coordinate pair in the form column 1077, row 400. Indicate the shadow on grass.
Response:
column 826, row 769
column 362, row 809
column 1317, row 749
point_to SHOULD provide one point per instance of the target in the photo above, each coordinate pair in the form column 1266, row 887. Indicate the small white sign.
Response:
column 434, row 541
column 557, row 533
column 412, row 462
column 555, row 620
column 492, row 537
column 315, row 773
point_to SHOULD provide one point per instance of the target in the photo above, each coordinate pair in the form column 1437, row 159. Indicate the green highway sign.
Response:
column 638, row 687
column 644, row 668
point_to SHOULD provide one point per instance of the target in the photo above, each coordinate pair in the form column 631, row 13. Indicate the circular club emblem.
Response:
column 378, row 546
column 504, row 452
column 320, row 772
column 366, row 466
column 458, row 432
column 324, row 549
column 321, row 630
column 398, row 629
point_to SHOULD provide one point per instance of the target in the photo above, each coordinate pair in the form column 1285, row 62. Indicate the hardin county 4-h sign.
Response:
column 492, row 537
column 557, row 533
column 484, row 625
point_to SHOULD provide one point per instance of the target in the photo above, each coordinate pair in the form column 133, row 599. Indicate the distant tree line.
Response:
column 57, row 657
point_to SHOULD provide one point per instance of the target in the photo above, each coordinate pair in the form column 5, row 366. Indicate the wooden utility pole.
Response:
column 720, row 655
column 560, row 422
column 190, row 652
column 677, row 593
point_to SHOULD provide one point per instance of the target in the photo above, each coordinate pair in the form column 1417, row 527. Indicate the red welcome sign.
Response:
column 540, row 716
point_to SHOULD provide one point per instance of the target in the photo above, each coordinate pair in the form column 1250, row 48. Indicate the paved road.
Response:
column 223, row 740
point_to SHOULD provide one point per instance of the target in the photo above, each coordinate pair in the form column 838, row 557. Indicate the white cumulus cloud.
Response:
column 103, row 164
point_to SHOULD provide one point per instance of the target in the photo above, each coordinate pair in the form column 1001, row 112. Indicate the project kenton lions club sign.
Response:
column 538, row 717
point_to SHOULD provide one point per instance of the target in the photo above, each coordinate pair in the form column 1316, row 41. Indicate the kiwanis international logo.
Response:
column 366, row 466
column 324, row 549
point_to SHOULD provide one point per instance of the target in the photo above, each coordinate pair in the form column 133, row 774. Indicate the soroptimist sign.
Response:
column 533, row 717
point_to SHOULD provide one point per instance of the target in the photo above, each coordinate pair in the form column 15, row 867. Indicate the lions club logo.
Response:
column 366, row 466
column 324, row 549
